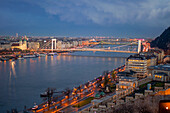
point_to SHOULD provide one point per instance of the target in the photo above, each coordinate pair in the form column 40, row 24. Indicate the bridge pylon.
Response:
column 139, row 46
column 53, row 40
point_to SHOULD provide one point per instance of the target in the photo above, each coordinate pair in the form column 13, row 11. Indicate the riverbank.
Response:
column 85, row 89
column 98, row 54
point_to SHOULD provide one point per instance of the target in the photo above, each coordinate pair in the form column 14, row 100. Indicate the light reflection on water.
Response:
column 12, row 78
column 22, row 81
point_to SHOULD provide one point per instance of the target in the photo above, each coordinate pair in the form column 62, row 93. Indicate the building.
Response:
column 127, row 73
column 166, row 59
column 68, row 44
column 21, row 45
column 79, row 43
column 5, row 46
column 159, row 53
column 74, row 43
column 139, row 64
column 161, row 76
column 59, row 44
column 85, row 42
column 126, row 82
column 160, row 72
column 33, row 45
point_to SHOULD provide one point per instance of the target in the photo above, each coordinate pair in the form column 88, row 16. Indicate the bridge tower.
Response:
column 139, row 46
column 53, row 40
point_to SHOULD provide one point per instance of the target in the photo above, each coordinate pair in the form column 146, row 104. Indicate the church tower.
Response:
column 25, row 43
column 20, row 42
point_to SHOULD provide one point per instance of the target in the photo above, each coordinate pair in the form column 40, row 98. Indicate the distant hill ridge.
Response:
column 163, row 41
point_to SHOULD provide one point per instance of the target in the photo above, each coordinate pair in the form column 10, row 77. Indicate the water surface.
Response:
column 22, row 81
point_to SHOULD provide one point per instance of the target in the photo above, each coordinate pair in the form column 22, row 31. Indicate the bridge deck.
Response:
column 89, row 49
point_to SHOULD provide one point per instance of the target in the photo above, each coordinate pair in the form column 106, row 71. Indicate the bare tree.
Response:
column 47, row 96
column 67, row 93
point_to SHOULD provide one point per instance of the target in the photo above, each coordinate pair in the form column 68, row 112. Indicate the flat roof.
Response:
column 124, row 84
column 165, row 67
column 140, row 57
column 125, row 78
column 161, row 73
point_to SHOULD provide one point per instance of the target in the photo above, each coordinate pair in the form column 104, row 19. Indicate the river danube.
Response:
column 22, row 81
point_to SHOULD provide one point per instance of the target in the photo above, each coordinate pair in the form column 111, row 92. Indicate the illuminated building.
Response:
column 86, row 42
column 5, row 46
column 146, row 46
column 161, row 76
column 139, row 64
column 128, row 73
column 156, row 70
column 59, row 44
column 21, row 45
column 16, row 34
column 158, row 52
column 126, row 82
column 33, row 45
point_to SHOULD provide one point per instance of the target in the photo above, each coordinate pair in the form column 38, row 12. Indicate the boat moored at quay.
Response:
column 52, row 54
column 30, row 56
column 25, row 56
column 42, row 54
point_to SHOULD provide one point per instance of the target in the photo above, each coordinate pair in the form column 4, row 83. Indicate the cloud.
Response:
column 109, row 11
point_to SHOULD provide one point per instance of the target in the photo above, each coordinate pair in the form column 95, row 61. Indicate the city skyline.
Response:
column 76, row 18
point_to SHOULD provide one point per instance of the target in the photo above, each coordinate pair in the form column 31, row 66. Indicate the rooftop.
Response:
column 124, row 78
column 126, row 73
column 166, row 56
column 124, row 84
column 165, row 67
column 155, row 50
column 141, row 57
column 15, row 44
column 161, row 73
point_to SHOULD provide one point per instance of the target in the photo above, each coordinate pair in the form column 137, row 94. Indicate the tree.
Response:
column 106, row 80
column 79, row 89
column 48, row 96
column 113, row 74
column 67, row 93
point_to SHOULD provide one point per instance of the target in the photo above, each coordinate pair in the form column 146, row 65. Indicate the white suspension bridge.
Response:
column 53, row 47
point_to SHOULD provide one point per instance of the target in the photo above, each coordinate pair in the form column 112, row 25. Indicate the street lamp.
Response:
column 164, row 106
column 48, row 95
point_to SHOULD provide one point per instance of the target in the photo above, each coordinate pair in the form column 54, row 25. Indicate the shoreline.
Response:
column 94, row 56
column 55, row 97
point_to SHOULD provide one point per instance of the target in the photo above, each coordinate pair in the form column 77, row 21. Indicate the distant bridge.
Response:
column 53, row 45
column 90, row 49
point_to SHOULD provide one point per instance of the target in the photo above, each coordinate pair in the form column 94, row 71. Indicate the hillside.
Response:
column 163, row 41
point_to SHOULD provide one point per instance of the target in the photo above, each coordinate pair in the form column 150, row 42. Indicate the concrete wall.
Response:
column 167, row 85
column 111, row 105
column 156, row 89
column 145, row 80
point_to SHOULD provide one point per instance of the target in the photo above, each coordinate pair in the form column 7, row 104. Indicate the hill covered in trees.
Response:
column 163, row 41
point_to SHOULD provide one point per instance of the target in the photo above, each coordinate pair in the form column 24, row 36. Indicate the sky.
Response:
column 117, row 18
